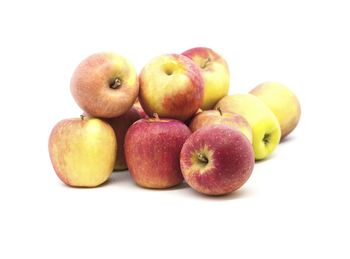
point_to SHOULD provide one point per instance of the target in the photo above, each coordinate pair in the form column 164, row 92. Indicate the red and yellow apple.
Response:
column 82, row 151
column 215, row 72
column 152, row 152
column 216, row 160
column 282, row 102
column 215, row 117
column 105, row 85
column 265, row 127
column 171, row 86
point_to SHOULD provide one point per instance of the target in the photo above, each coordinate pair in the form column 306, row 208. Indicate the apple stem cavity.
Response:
column 206, row 63
column 203, row 159
column 266, row 138
column 115, row 84
column 82, row 117
column 155, row 115
column 220, row 111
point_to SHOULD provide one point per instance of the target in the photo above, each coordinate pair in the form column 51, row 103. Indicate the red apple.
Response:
column 152, row 151
column 216, row 160
column 211, row 117
column 105, row 85
column 172, row 86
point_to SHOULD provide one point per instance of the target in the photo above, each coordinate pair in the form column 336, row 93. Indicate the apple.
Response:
column 188, row 121
column 120, row 126
column 211, row 117
column 171, row 86
column 105, row 85
column 82, row 151
column 138, row 107
column 152, row 151
column 216, row 160
column 215, row 72
column 266, row 130
column 282, row 102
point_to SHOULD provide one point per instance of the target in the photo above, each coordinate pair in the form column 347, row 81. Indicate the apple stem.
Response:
column 206, row 62
column 116, row 83
column 202, row 158
column 82, row 117
column 155, row 115
column 219, row 109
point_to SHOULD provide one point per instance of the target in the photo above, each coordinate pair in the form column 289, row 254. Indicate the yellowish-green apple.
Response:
column 282, row 102
column 215, row 72
column 82, row 151
column 105, row 85
column 266, row 130
column 171, row 86
column 216, row 117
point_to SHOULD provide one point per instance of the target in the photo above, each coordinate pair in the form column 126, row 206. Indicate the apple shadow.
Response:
column 287, row 139
column 118, row 176
column 239, row 194
column 270, row 157
column 180, row 186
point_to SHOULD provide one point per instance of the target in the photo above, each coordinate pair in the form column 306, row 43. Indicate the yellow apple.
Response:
column 282, row 102
column 266, row 130
column 83, row 151
column 215, row 72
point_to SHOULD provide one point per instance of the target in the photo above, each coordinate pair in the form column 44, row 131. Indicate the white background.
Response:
column 295, row 205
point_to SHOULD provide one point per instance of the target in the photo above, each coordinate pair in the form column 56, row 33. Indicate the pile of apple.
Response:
column 174, row 121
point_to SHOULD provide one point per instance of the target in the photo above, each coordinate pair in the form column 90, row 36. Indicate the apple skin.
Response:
column 265, row 126
column 214, row 117
column 171, row 86
column 105, row 85
column 82, row 151
column 215, row 72
column 120, row 126
column 217, row 160
column 152, row 152
column 282, row 102
column 137, row 105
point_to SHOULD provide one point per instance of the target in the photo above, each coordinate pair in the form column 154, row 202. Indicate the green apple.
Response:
column 265, row 126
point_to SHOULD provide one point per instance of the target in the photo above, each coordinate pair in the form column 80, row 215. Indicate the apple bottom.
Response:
column 217, row 160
